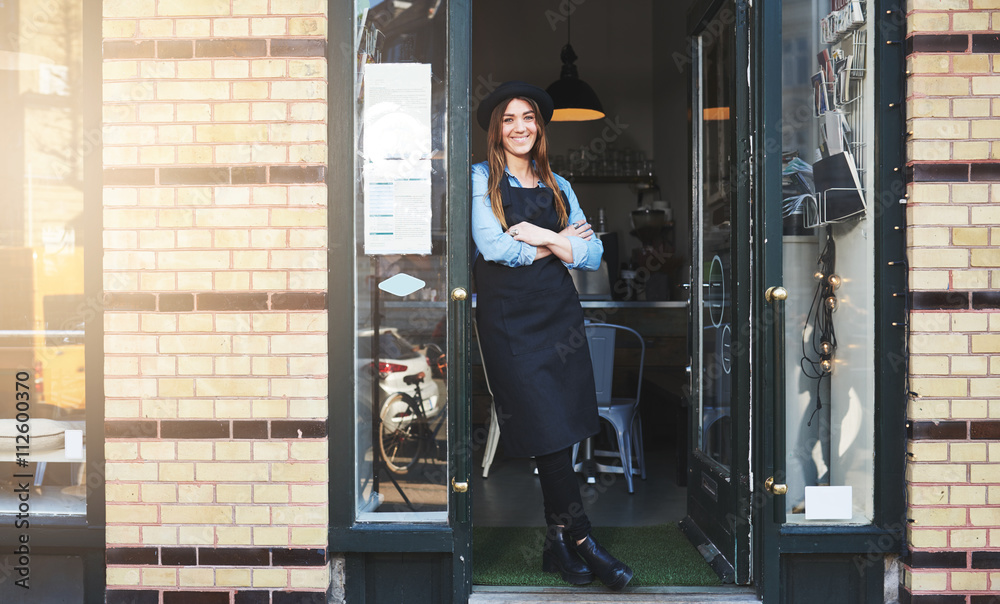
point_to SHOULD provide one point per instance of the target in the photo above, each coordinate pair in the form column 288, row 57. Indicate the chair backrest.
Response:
column 601, row 339
column 479, row 345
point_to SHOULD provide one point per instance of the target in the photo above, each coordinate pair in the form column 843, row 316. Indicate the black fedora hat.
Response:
column 508, row 90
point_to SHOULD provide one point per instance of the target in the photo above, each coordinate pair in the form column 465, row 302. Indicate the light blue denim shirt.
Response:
column 496, row 245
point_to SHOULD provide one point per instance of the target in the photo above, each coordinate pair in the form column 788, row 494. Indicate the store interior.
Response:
column 632, row 172
column 635, row 57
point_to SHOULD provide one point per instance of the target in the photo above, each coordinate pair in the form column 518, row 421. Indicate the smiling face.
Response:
column 519, row 129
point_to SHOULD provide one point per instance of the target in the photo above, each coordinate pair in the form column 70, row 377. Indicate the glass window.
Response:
column 713, row 294
column 43, row 314
column 401, row 259
column 828, row 267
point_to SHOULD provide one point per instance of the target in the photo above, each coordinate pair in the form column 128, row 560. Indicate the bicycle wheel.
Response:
column 402, row 439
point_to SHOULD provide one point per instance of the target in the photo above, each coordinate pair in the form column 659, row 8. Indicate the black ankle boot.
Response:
column 612, row 572
column 557, row 557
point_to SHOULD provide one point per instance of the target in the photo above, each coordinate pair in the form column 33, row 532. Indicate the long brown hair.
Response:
column 497, row 160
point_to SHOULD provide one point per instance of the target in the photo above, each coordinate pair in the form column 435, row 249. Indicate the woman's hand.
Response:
column 581, row 229
column 531, row 234
column 556, row 243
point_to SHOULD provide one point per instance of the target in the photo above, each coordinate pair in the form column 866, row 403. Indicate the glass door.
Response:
column 719, row 466
column 401, row 274
column 831, row 344
column 827, row 248
column 399, row 285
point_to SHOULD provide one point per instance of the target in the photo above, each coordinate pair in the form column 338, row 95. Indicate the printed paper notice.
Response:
column 397, row 158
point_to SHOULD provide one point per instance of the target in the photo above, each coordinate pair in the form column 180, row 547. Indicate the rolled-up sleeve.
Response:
column 586, row 254
column 490, row 239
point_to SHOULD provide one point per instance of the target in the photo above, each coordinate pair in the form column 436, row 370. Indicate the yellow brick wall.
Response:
column 953, row 214
column 163, row 113
column 173, row 106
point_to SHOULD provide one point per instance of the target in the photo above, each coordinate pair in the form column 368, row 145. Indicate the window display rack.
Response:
column 840, row 171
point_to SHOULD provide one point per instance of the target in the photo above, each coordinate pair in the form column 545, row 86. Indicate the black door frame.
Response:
column 782, row 550
column 758, row 33
column 776, row 546
column 718, row 501
column 410, row 552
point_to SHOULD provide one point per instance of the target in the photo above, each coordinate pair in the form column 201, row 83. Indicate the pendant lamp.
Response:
column 574, row 99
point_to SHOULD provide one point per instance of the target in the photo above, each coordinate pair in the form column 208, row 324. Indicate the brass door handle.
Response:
column 459, row 487
column 776, row 293
column 459, row 293
column 775, row 488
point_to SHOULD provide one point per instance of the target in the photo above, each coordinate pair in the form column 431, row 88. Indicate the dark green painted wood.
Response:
column 829, row 579
column 384, row 563
column 346, row 535
column 392, row 538
column 724, row 515
column 795, row 548
column 745, row 289
column 340, row 225
column 869, row 541
column 94, row 575
column 891, row 312
column 355, row 585
column 768, row 425
column 459, row 312
column 399, row 577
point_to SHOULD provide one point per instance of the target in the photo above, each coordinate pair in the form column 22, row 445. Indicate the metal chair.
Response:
column 621, row 412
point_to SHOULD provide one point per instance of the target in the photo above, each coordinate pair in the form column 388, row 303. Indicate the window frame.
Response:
column 890, row 370
column 84, row 535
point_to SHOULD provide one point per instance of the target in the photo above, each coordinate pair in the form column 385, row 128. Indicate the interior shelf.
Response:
column 599, row 180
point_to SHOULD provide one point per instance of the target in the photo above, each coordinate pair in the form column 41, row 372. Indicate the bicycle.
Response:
column 406, row 431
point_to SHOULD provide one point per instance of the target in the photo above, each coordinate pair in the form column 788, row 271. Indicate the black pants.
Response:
column 561, row 493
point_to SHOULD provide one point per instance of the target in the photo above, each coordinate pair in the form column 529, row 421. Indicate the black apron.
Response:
column 534, row 345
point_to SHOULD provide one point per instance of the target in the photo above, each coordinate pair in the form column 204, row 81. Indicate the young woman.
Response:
column 529, row 229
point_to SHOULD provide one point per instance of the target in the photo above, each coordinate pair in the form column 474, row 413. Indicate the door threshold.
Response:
column 510, row 594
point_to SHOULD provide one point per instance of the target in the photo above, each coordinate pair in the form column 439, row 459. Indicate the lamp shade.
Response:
column 574, row 99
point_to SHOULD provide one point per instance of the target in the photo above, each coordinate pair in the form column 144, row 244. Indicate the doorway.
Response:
column 636, row 57
column 647, row 73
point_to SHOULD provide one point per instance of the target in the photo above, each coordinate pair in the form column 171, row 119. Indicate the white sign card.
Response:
column 829, row 503
column 397, row 158
column 73, row 444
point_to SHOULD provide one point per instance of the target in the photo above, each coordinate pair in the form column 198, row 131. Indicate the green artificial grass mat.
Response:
column 659, row 555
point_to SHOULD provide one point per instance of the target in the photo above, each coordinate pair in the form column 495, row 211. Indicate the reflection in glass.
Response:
column 43, row 313
column 827, row 269
column 713, row 246
column 401, row 398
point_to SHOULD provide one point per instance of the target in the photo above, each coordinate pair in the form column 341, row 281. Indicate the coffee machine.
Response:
column 652, row 265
